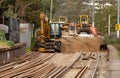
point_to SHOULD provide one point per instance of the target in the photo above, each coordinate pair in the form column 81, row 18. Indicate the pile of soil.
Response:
column 78, row 44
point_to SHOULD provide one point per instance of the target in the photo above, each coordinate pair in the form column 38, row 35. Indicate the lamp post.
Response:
column 93, row 23
column 118, row 15
column 51, row 10
column 109, row 24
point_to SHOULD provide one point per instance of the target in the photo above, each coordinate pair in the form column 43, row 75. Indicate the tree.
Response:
column 101, row 20
column 20, row 8
column 1, row 1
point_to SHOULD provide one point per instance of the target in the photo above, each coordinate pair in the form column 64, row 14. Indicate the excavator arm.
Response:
column 44, row 28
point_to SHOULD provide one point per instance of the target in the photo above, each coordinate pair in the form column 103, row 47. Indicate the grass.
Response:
column 113, row 41
column 10, row 43
column 119, row 54
column 5, row 44
column 28, row 50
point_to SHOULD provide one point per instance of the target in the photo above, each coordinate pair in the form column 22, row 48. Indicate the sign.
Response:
column 117, row 26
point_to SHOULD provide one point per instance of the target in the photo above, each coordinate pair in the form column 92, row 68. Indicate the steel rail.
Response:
column 80, row 73
column 64, row 70
column 28, row 65
column 96, row 67
column 59, row 75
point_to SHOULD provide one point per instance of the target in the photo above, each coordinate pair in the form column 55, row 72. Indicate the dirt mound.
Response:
column 78, row 44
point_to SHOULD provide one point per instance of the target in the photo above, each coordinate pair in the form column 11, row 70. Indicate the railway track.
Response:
column 51, row 65
column 96, row 67
column 85, row 64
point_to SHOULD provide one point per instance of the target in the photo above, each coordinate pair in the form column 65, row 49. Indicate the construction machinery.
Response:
column 64, row 20
column 47, row 38
column 84, row 26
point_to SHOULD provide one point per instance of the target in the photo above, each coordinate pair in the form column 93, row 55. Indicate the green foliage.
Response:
column 113, row 41
column 101, row 18
column 1, row 34
column 2, row 37
column 108, row 40
column 5, row 43
column 10, row 13
column 26, row 8
column 33, row 42
column 10, row 43
column 119, row 54
column 28, row 50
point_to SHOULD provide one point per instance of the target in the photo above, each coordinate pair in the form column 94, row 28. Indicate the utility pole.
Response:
column 51, row 10
column 109, row 24
column 3, row 28
column 118, row 17
column 93, row 23
column 45, row 7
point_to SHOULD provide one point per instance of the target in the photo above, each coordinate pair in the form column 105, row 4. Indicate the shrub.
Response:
column 112, row 40
column 10, row 43
column 28, row 50
column 1, row 35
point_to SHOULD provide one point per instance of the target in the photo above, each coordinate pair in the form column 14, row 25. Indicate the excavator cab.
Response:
column 55, row 30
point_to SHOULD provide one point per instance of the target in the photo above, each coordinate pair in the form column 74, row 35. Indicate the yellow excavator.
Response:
column 64, row 20
column 47, row 38
column 84, row 26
